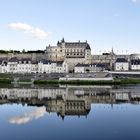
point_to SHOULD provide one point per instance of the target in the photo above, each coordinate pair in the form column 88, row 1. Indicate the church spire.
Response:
column 63, row 40
column 112, row 51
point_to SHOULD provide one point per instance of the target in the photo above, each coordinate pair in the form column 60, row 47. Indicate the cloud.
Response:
column 28, row 29
column 135, row 1
column 28, row 117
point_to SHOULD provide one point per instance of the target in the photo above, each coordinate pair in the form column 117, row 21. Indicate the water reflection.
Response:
column 65, row 100
column 28, row 116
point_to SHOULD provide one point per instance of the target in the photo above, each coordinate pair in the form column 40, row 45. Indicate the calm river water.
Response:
column 70, row 113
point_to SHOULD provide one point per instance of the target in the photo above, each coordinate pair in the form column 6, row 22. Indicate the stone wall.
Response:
column 33, row 56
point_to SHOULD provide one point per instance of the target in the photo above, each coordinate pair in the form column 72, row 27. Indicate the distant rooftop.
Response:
column 121, row 60
column 74, row 44
column 135, row 62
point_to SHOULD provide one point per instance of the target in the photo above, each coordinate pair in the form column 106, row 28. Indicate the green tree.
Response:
column 23, row 51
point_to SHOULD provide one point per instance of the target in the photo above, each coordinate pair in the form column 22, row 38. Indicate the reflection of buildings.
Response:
column 69, row 100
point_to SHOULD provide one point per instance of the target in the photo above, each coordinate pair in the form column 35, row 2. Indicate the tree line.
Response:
column 23, row 51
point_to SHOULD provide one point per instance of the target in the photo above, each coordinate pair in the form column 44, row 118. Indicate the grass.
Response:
column 78, row 82
column 5, row 81
column 8, row 78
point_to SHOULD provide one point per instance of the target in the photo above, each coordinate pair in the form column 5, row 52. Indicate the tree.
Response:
column 23, row 51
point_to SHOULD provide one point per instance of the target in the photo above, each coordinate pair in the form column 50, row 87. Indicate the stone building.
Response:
column 108, row 59
column 72, row 52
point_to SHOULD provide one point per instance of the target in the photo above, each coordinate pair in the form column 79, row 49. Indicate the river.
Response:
column 70, row 112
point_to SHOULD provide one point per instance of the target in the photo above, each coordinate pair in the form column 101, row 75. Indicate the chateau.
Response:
column 66, row 57
column 72, row 52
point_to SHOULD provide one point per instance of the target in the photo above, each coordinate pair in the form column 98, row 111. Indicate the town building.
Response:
column 88, row 68
column 76, row 55
column 34, row 66
column 135, row 64
column 12, row 65
column 121, row 64
column 48, row 66
column 24, row 65
column 3, row 67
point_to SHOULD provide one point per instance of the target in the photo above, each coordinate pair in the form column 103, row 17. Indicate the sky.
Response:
column 105, row 24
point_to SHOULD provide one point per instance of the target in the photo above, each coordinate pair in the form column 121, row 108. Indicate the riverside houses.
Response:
column 34, row 67
column 25, row 65
column 15, row 65
column 3, row 67
column 121, row 64
column 135, row 64
column 85, row 68
column 47, row 66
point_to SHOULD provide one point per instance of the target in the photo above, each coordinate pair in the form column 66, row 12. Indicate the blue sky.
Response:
column 33, row 24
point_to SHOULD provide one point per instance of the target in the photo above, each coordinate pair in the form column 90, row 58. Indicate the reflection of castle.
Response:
column 69, row 100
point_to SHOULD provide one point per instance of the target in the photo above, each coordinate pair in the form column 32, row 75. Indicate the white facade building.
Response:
column 12, row 65
column 27, row 66
column 24, row 66
column 15, row 65
column 80, row 68
column 121, row 64
column 4, row 67
column 85, row 68
column 135, row 64
column 34, row 67
column 46, row 66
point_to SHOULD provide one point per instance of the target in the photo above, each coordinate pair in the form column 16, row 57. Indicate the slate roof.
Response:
column 22, row 60
column 46, row 61
column 82, row 65
column 121, row 60
column 135, row 62
column 59, row 63
column 77, row 44
column 90, row 65
column 74, row 44
column 34, row 62
column 4, row 63
column 13, row 59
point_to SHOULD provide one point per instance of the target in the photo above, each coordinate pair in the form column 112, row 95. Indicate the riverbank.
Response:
column 78, row 82
column 116, row 81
